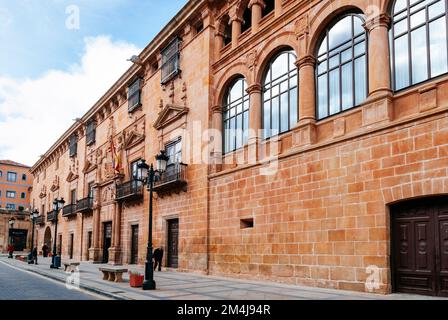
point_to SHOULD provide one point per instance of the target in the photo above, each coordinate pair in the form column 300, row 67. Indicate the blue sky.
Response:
column 51, row 74
column 34, row 36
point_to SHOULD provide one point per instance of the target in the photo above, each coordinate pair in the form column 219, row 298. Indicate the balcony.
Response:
column 69, row 210
column 51, row 216
column 131, row 190
column 174, row 179
column 85, row 205
column 40, row 220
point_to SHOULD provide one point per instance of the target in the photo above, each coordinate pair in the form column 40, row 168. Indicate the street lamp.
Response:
column 33, row 215
column 57, row 205
column 11, row 226
column 147, row 175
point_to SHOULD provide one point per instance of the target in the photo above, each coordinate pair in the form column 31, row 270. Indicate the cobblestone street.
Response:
column 16, row 284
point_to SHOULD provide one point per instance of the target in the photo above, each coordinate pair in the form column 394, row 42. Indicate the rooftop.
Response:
column 13, row 163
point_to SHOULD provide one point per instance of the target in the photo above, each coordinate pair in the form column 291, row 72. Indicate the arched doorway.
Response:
column 419, row 248
column 47, row 241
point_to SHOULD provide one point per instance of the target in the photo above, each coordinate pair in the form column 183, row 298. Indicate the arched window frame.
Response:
column 328, row 54
column 232, row 111
column 268, row 85
column 404, row 16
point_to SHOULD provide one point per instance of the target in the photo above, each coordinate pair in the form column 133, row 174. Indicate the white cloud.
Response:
column 34, row 113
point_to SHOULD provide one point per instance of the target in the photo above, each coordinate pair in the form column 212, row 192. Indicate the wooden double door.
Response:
column 173, row 243
column 420, row 246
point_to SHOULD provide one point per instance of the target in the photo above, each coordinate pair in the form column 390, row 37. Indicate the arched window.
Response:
column 419, row 42
column 342, row 66
column 236, row 115
column 280, row 94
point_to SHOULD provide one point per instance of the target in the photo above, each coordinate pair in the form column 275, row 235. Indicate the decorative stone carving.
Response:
column 133, row 135
column 73, row 171
column 55, row 184
column 252, row 59
column 301, row 26
column 43, row 192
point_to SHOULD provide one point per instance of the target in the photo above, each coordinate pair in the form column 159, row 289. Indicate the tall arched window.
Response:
column 280, row 94
column 419, row 41
column 236, row 115
column 342, row 66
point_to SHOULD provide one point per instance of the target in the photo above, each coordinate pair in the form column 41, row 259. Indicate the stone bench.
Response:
column 114, row 274
column 71, row 266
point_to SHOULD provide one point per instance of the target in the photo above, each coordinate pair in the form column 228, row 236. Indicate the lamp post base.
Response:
column 149, row 285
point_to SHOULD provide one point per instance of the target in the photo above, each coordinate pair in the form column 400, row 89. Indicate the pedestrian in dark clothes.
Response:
column 34, row 255
column 158, row 256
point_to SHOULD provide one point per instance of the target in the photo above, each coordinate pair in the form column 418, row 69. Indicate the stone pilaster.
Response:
column 95, row 251
column 236, row 29
column 115, row 251
column 217, row 136
column 307, row 102
column 254, row 92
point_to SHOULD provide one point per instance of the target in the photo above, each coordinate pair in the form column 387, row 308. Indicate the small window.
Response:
column 199, row 27
column 247, row 223
column 1, row 173
column 135, row 172
column 23, row 195
column 134, row 95
column 11, row 194
column 12, row 177
column 90, row 190
column 73, row 196
column 174, row 152
column 73, row 145
column 269, row 7
column 11, row 206
column 24, row 177
column 247, row 20
column 170, row 60
column 0, row 193
column 90, row 132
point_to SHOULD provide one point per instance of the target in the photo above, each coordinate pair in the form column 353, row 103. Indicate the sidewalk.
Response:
column 187, row 286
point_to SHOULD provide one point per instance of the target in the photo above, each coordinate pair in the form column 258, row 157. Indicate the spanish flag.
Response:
column 116, row 159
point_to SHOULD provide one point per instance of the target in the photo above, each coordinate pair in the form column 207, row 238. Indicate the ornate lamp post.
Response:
column 57, row 205
column 33, row 215
column 147, row 174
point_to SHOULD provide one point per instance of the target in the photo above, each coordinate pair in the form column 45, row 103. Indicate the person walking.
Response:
column 10, row 251
column 158, row 256
column 34, row 254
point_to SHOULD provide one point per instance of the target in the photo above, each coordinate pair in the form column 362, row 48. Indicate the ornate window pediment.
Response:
column 88, row 167
column 169, row 114
column 71, row 177
column 55, row 184
column 43, row 192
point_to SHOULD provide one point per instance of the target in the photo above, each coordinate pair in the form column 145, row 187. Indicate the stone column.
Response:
column 219, row 43
column 115, row 250
column 236, row 29
column 307, row 101
column 378, row 107
column 94, row 252
column 379, row 56
column 256, row 7
column 255, row 126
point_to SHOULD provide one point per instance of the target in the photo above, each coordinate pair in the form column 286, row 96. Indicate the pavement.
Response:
column 17, row 284
column 188, row 286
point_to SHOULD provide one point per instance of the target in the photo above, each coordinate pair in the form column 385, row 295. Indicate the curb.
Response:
column 84, row 287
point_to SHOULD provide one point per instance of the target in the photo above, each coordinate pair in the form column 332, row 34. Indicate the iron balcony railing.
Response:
column 173, row 179
column 130, row 190
column 51, row 216
column 40, row 220
column 69, row 210
column 84, row 205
